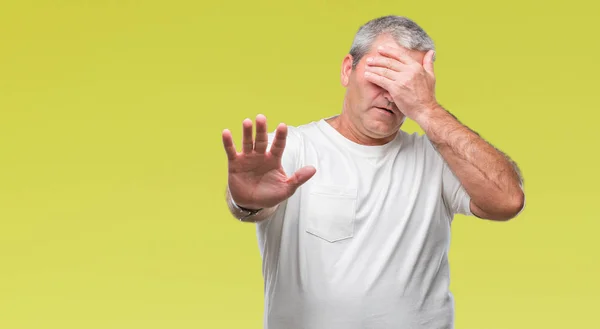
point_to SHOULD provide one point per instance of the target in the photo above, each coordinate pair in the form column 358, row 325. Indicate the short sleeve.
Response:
column 454, row 193
column 290, row 157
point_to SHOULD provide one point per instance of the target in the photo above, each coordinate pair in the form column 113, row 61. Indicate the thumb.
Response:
column 428, row 62
column 300, row 177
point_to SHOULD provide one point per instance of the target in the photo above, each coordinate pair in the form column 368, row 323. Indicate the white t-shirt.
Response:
column 364, row 243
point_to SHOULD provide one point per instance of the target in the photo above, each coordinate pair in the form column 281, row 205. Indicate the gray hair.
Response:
column 405, row 31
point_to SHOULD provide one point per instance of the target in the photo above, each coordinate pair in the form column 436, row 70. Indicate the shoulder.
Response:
column 304, row 130
column 417, row 141
column 422, row 141
column 296, row 134
column 296, row 131
column 295, row 143
column 419, row 145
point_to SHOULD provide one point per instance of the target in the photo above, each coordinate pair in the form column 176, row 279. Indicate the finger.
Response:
column 379, row 80
column 247, row 142
column 262, row 138
column 279, row 141
column 228, row 145
column 300, row 177
column 383, row 71
column 396, row 53
column 428, row 62
column 387, row 62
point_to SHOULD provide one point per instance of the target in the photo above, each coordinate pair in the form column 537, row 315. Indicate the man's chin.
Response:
column 390, row 124
column 382, row 130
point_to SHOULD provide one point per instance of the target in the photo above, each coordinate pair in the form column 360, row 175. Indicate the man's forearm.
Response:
column 262, row 215
column 490, row 177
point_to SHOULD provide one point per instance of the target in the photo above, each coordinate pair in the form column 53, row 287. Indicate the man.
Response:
column 353, row 214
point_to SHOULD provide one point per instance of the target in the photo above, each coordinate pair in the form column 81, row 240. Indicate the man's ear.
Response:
column 346, row 70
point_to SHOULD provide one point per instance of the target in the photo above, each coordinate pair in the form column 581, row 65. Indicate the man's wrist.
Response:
column 425, row 115
column 240, row 212
column 244, row 209
column 433, row 118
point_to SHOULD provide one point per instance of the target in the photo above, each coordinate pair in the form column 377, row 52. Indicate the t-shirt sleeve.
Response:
column 454, row 193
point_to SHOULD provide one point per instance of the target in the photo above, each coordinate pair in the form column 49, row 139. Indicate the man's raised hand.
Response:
column 256, row 177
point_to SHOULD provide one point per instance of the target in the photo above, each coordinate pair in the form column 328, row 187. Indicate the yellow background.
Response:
column 112, row 170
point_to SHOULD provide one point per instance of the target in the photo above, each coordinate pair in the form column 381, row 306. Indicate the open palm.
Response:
column 256, row 177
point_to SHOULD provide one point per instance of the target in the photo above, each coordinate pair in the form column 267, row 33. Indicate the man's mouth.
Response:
column 385, row 109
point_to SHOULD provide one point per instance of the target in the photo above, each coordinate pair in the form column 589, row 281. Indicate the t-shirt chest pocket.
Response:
column 330, row 212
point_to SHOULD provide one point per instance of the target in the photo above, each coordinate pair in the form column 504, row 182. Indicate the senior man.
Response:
column 353, row 214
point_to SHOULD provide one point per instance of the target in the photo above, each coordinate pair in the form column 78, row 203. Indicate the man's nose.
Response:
column 387, row 96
